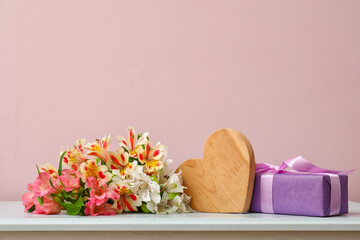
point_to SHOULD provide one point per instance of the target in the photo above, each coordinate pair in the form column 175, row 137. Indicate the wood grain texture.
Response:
column 222, row 181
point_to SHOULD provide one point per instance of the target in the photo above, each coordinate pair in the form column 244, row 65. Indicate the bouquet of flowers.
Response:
column 92, row 180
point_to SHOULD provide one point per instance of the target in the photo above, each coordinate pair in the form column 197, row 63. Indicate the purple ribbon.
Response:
column 299, row 165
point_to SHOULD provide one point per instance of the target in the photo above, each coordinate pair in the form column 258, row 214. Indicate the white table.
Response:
column 15, row 224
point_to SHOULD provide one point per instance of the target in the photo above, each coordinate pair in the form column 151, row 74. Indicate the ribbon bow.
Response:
column 299, row 165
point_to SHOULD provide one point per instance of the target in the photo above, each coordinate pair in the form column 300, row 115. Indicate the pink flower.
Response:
column 49, row 169
column 99, row 192
column 71, row 179
column 41, row 186
column 103, row 209
column 49, row 206
column 27, row 198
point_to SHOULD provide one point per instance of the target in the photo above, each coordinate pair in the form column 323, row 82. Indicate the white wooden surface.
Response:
column 14, row 219
column 203, row 235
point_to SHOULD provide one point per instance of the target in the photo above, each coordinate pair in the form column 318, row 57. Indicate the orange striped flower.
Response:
column 91, row 169
column 100, row 148
column 134, row 143
column 75, row 156
column 152, row 157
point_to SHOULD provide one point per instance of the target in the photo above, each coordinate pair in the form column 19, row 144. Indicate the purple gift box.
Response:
column 301, row 194
column 306, row 190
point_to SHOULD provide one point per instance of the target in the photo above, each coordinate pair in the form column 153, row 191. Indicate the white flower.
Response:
column 184, row 204
column 145, row 187
column 174, row 183
column 173, row 197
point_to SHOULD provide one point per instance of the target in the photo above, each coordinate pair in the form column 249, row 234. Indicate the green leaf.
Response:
column 70, row 200
column 67, row 194
column 79, row 202
column 97, row 160
column 82, row 183
column 82, row 211
column 56, row 195
column 154, row 178
column 172, row 195
column 71, row 209
column 40, row 200
column 57, row 199
column 144, row 208
column 51, row 183
column 32, row 208
column 131, row 159
column 37, row 167
column 60, row 162
column 79, row 190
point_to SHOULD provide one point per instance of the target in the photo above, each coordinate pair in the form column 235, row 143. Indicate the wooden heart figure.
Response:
column 223, row 180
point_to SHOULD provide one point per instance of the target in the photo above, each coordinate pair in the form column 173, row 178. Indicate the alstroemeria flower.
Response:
column 184, row 206
column 109, row 182
column 150, row 193
column 99, row 192
column 94, row 210
column 173, row 184
column 41, row 186
column 152, row 157
column 71, row 179
column 128, row 201
column 49, row 169
column 91, row 169
column 75, row 156
column 134, row 144
column 49, row 206
column 28, row 198
column 118, row 159
column 100, row 148
column 173, row 198
column 172, row 204
column 147, row 189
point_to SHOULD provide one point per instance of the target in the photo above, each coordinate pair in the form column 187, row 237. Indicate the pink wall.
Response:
column 286, row 73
